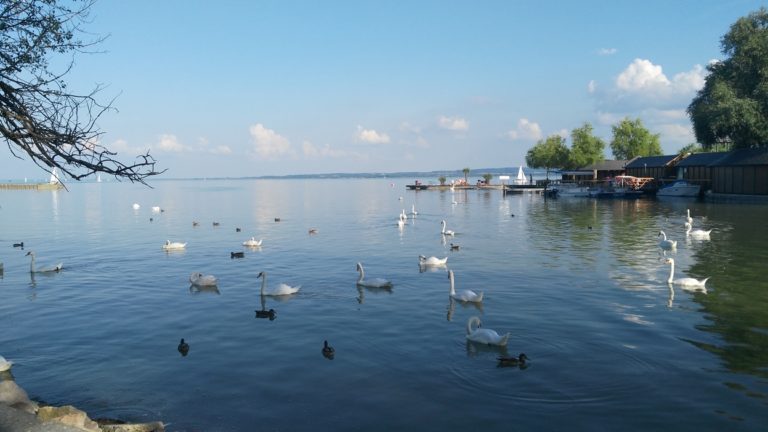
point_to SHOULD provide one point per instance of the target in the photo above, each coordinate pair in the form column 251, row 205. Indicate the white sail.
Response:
column 54, row 177
column 98, row 178
column 521, row 179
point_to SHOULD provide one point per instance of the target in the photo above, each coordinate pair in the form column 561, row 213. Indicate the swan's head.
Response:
column 422, row 258
column 359, row 267
column 30, row 253
column 261, row 274
column 669, row 260
column 442, row 222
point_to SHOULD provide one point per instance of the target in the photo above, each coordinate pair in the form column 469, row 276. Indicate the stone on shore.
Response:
column 68, row 415
column 14, row 396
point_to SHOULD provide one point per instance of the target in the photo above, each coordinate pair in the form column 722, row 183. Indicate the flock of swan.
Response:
column 686, row 283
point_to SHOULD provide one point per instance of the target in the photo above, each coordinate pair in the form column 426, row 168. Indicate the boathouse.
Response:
column 658, row 167
column 696, row 168
column 597, row 171
column 741, row 172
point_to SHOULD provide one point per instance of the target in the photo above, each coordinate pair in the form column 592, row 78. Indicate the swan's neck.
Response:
column 663, row 235
column 688, row 229
column 32, row 263
column 671, row 271
column 469, row 325
column 453, row 289
column 362, row 274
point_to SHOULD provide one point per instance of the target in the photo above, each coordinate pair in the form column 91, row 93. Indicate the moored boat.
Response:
column 680, row 188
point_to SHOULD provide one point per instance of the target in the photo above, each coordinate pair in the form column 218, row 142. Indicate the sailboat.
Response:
column 98, row 178
column 53, row 183
column 54, row 178
column 521, row 179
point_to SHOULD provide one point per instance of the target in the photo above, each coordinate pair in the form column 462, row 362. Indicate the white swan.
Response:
column 136, row 206
column 666, row 244
column 432, row 261
column 486, row 336
column 464, row 295
column 198, row 279
column 403, row 216
column 400, row 223
column 688, row 218
column 372, row 283
column 169, row 245
column 5, row 364
column 696, row 233
column 280, row 290
column 156, row 209
column 413, row 210
column 252, row 242
column 687, row 283
column 443, row 231
column 43, row 269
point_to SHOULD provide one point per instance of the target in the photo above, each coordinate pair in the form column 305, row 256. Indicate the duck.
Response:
column 169, row 245
column 234, row 255
column 665, row 243
column 198, row 279
column 328, row 351
column 280, row 290
column 371, row 283
column 252, row 242
column 432, row 261
column 237, row 229
column 43, row 269
column 19, row 245
column 464, row 295
column 5, row 365
column 195, row 223
column 455, row 247
column 183, row 347
column 697, row 234
column 216, row 224
column 312, row 231
column 686, row 283
column 271, row 314
column 444, row 231
column 485, row 336
column 277, row 219
column 513, row 361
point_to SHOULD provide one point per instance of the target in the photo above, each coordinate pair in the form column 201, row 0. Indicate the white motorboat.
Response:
column 680, row 188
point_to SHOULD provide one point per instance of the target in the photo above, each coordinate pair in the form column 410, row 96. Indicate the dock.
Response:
column 31, row 186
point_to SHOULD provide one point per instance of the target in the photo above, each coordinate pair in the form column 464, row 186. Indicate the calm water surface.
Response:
column 610, row 346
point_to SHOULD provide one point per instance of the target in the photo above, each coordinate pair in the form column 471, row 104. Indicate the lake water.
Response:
column 610, row 347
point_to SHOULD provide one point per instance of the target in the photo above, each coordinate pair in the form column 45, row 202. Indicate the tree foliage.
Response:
column 586, row 148
column 549, row 153
column 39, row 115
column 690, row 148
column 466, row 173
column 732, row 107
column 631, row 139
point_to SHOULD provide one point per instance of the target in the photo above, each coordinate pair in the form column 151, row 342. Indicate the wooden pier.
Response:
column 31, row 186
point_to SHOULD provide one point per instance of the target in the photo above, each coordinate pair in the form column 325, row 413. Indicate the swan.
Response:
column 400, row 223
column 198, row 279
column 513, row 361
column 413, row 210
column 432, row 261
column 328, row 351
column 464, row 295
column 443, row 231
column 697, row 233
column 281, row 289
column 5, row 364
column 486, row 336
column 403, row 216
column 136, row 206
column 155, row 209
column 252, row 242
column 372, row 283
column 666, row 244
column 688, row 284
column 183, row 347
column 688, row 218
column 44, row 269
column 169, row 245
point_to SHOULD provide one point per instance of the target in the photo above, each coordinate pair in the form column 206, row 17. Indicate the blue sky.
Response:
column 248, row 88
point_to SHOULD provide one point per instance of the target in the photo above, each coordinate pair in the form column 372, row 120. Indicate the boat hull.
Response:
column 680, row 189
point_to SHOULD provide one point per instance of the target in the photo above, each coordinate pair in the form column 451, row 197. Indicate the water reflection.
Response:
column 371, row 290
column 271, row 314
column 207, row 289
column 466, row 305
column 475, row 349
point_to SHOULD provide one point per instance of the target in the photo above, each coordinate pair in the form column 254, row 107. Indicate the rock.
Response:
column 68, row 415
column 134, row 427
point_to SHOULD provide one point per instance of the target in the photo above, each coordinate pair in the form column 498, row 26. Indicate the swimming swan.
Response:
column 688, row 218
column 372, row 283
column 252, row 242
column 280, row 290
column 696, row 233
column 666, row 244
column 169, row 245
column 413, row 210
column 5, row 364
column 486, row 336
column 432, row 261
column 688, row 284
column 44, row 269
column 198, row 279
column 443, row 231
column 464, row 295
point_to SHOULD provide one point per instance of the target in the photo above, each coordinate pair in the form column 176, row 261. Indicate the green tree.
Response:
column 586, row 149
column 549, row 153
column 732, row 107
column 690, row 148
column 631, row 139
column 487, row 177
column 466, row 173
column 39, row 115
column 441, row 179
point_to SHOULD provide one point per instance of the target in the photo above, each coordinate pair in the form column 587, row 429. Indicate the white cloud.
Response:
column 268, row 144
column 592, row 86
column 371, row 136
column 607, row 51
column 169, row 143
column 642, row 75
column 453, row 123
column 525, row 130
column 221, row 150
